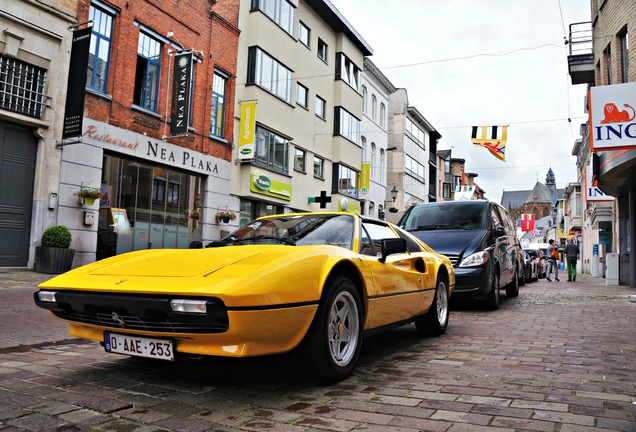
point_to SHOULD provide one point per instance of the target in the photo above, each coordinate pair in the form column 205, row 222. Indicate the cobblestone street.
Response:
column 560, row 357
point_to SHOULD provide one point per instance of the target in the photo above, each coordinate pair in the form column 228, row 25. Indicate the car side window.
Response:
column 371, row 234
column 496, row 221
column 411, row 245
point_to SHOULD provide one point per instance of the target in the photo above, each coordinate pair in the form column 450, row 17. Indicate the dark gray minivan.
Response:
column 480, row 239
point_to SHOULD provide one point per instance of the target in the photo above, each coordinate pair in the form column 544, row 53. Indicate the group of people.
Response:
column 571, row 252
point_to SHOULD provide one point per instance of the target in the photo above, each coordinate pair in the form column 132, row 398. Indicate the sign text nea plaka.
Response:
column 156, row 151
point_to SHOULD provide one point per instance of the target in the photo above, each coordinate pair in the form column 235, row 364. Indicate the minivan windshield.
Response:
column 467, row 215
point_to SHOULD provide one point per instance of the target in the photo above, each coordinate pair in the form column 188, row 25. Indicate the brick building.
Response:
column 157, row 126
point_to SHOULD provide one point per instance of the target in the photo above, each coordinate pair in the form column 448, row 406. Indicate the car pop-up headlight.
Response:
column 478, row 258
column 189, row 306
column 47, row 296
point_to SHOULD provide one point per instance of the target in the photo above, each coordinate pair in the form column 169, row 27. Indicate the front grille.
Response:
column 453, row 258
column 137, row 312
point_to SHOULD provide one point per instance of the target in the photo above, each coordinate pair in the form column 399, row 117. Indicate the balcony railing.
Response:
column 581, row 53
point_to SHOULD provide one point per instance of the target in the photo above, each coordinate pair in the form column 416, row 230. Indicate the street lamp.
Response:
column 394, row 194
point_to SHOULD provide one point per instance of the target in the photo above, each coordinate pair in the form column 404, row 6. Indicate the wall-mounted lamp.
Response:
column 394, row 193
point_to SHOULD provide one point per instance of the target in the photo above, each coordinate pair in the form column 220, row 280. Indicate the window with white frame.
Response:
column 373, row 154
column 346, row 125
column 374, row 108
column 345, row 180
column 279, row 11
column 217, row 116
column 319, row 167
column 416, row 133
column 322, row 50
column 301, row 95
column 100, row 48
column 321, row 105
column 267, row 73
column 304, row 34
column 347, row 71
column 382, row 165
column 300, row 157
column 382, row 115
column 414, row 168
column 146, row 90
column 364, row 99
column 272, row 150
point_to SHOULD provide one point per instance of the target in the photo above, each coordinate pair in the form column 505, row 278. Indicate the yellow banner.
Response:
column 364, row 178
column 247, row 126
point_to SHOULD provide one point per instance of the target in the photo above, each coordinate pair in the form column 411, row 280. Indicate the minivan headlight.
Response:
column 475, row 259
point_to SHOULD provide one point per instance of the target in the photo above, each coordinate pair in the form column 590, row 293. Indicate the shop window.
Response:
column 163, row 206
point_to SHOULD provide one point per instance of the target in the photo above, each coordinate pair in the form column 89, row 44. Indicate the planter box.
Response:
column 53, row 260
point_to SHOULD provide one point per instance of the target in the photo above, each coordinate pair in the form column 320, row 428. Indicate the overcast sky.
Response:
column 470, row 63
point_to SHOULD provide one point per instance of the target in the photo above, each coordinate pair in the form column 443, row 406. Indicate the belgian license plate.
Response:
column 160, row 349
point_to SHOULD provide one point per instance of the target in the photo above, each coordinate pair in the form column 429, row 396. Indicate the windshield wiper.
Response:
column 290, row 242
column 439, row 226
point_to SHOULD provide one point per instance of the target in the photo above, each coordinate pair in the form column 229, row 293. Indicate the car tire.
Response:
column 512, row 289
column 492, row 299
column 332, row 345
column 435, row 321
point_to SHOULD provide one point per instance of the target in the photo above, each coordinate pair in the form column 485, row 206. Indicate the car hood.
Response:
column 452, row 242
column 224, row 271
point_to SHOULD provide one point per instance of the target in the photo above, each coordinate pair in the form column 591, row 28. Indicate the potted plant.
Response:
column 393, row 210
column 54, row 255
column 87, row 195
column 225, row 216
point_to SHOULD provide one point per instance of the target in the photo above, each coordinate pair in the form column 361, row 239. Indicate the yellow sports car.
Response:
column 315, row 282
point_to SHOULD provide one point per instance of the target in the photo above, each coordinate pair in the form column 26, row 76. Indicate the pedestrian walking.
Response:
column 571, row 257
column 553, row 261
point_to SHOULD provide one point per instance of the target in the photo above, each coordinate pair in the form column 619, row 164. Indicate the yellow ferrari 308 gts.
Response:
column 316, row 282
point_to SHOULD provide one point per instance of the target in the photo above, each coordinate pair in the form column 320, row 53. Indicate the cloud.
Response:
column 484, row 62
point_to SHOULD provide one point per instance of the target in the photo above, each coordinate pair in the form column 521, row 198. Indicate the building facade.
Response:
column 157, row 127
column 376, row 89
column 34, row 62
column 300, row 104
column 600, row 57
column 412, row 156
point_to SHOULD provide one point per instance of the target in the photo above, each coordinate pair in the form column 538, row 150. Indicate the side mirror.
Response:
column 500, row 231
column 391, row 246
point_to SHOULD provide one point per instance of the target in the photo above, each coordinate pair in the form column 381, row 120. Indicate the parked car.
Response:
column 536, row 251
column 479, row 238
column 311, row 282
column 531, row 266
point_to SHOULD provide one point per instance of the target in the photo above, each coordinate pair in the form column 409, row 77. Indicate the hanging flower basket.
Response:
column 393, row 210
column 225, row 216
column 87, row 195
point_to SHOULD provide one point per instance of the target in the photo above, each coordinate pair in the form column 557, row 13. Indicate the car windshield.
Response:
column 452, row 215
column 296, row 230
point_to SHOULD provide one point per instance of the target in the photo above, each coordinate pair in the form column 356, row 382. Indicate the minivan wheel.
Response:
column 492, row 299
column 512, row 289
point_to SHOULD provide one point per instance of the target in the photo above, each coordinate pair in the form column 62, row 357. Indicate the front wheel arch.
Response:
column 333, row 342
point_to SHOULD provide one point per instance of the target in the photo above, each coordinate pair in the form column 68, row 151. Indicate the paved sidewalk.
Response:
column 21, row 321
